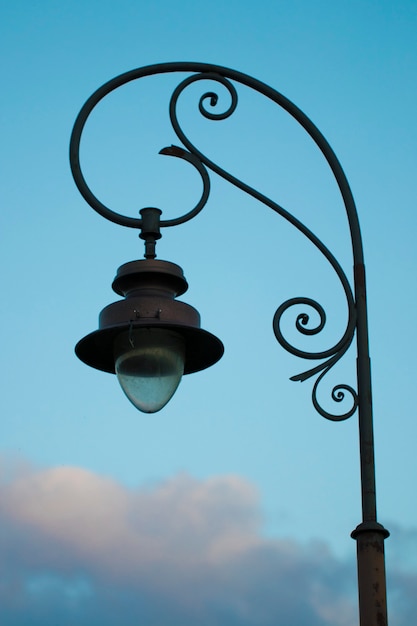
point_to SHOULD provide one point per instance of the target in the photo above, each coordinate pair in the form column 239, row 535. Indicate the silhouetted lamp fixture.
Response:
column 150, row 339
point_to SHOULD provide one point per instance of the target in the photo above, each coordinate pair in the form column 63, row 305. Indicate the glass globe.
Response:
column 149, row 364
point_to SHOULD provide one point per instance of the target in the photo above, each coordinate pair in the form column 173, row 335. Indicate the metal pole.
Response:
column 369, row 534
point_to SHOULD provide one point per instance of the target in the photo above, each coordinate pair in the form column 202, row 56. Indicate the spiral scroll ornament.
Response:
column 331, row 355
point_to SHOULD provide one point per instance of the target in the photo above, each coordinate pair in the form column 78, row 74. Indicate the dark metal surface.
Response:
column 369, row 534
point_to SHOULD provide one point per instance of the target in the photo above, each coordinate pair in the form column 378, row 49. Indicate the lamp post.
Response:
column 150, row 339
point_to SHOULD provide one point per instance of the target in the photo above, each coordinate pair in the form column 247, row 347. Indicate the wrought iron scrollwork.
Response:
column 332, row 355
column 336, row 352
column 207, row 105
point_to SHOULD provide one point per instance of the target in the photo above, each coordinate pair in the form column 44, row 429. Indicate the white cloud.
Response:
column 78, row 547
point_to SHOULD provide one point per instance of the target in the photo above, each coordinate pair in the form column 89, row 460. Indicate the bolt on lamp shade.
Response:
column 149, row 364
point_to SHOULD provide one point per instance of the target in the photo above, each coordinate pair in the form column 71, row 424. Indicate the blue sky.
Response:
column 236, row 491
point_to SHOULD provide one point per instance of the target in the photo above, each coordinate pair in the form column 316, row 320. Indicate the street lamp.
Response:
column 150, row 339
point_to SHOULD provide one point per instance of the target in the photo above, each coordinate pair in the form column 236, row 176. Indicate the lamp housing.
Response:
column 149, row 287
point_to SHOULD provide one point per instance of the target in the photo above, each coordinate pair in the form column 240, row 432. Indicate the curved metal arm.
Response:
column 117, row 218
column 206, row 69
